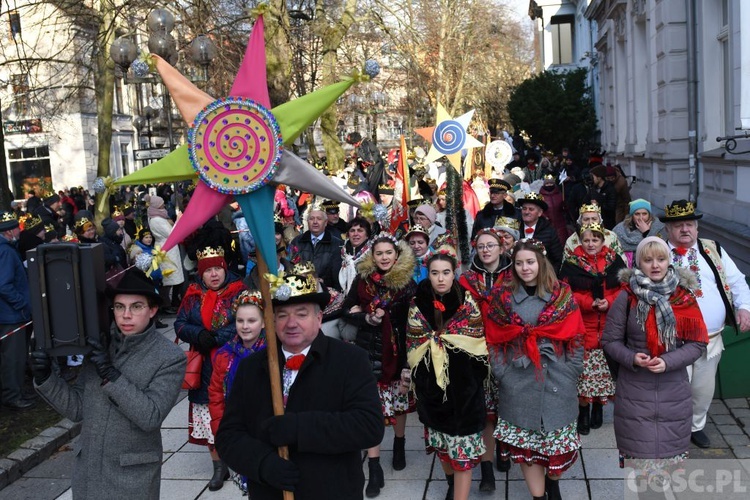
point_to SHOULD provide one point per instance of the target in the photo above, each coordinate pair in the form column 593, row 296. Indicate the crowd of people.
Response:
column 572, row 299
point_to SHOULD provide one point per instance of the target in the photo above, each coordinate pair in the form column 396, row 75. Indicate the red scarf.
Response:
column 208, row 299
column 689, row 327
column 560, row 321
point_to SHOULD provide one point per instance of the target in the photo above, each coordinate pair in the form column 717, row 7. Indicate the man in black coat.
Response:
column 498, row 206
column 332, row 408
column 604, row 194
column 336, row 224
column 320, row 246
column 535, row 225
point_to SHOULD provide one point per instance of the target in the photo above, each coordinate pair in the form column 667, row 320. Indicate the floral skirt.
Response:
column 460, row 452
column 595, row 383
column 652, row 466
column 199, row 425
column 556, row 450
column 392, row 402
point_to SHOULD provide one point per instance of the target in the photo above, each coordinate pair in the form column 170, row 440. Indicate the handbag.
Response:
column 192, row 379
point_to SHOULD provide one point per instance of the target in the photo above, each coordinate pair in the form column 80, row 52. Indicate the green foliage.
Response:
column 556, row 110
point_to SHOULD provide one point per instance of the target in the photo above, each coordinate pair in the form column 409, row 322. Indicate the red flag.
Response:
column 400, row 210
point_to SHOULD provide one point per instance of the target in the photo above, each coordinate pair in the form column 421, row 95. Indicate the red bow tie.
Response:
column 680, row 251
column 529, row 230
column 294, row 362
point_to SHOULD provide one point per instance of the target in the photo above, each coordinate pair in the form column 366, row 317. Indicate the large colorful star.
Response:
column 448, row 137
column 236, row 148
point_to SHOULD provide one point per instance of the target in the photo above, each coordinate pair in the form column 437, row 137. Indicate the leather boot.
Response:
column 221, row 474
column 449, row 493
column 377, row 480
column 488, row 477
column 553, row 488
column 399, row 455
column 597, row 415
column 584, row 420
column 503, row 465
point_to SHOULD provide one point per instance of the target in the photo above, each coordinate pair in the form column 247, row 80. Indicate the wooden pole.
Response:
column 277, row 398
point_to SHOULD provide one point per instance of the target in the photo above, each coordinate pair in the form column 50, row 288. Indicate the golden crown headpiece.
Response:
column 285, row 286
column 80, row 223
column 385, row 189
column 549, row 177
column 8, row 216
column 594, row 226
column 508, row 222
column 32, row 221
column 417, row 228
column 210, row 252
column 303, row 268
column 589, row 208
column 117, row 213
column 680, row 209
column 50, row 228
column 248, row 297
column 533, row 195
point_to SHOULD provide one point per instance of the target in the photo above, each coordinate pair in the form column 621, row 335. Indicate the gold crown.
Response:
column 210, row 252
column 329, row 204
column 417, row 228
column 508, row 222
column 533, row 195
column 117, row 212
column 285, row 286
column 32, row 221
column 589, row 208
column 82, row 222
column 50, row 228
column 680, row 210
column 304, row 268
column 385, row 187
column 594, row 226
column 248, row 297
column 549, row 177
column 8, row 216
column 277, row 218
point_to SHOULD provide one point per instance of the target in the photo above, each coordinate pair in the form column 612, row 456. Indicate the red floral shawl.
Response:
column 208, row 299
column 560, row 321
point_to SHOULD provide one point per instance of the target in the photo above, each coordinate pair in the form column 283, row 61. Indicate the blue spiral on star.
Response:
column 449, row 137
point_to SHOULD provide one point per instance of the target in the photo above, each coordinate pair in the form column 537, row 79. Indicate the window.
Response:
column 14, row 19
column 20, row 85
column 727, row 102
column 125, row 157
column 28, row 168
column 562, row 39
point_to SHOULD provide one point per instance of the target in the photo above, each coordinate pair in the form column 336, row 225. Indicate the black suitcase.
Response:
column 68, row 306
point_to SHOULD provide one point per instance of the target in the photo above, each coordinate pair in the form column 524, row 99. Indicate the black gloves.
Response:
column 280, row 430
column 206, row 342
column 99, row 356
column 279, row 473
column 41, row 366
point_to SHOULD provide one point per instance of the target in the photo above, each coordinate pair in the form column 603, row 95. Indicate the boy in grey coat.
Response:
column 122, row 396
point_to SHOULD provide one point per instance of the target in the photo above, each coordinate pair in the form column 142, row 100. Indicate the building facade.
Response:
column 671, row 84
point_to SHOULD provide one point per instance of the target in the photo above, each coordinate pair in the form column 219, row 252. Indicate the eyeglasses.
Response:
column 488, row 246
column 136, row 308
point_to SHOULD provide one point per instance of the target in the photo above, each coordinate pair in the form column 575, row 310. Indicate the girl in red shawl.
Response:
column 206, row 321
column 591, row 271
column 535, row 339
column 489, row 269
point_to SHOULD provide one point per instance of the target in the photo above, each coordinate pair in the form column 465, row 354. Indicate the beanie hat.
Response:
column 639, row 204
column 428, row 212
column 646, row 241
column 210, row 257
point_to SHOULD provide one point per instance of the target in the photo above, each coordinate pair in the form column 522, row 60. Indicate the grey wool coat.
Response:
column 119, row 452
column 544, row 401
column 653, row 411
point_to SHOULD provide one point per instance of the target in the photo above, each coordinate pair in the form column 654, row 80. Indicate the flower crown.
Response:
column 594, row 227
column 589, row 208
column 248, row 297
column 447, row 250
column 535, row 244
column 387, row 236
column 210, row 252
column 493, row 231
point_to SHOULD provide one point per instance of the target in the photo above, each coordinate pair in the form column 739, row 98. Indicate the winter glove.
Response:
column 280, row 430
column 279, row 473
column 41, row 366
column 206, row 342
column 99, row 356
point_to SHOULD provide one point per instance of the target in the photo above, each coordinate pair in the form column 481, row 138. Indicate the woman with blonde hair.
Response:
column 535, row 339
column 654, row 331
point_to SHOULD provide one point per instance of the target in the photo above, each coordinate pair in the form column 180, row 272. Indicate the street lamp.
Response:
column 124, row 52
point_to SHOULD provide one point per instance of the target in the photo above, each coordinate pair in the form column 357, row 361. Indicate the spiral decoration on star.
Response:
column 449, row 137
